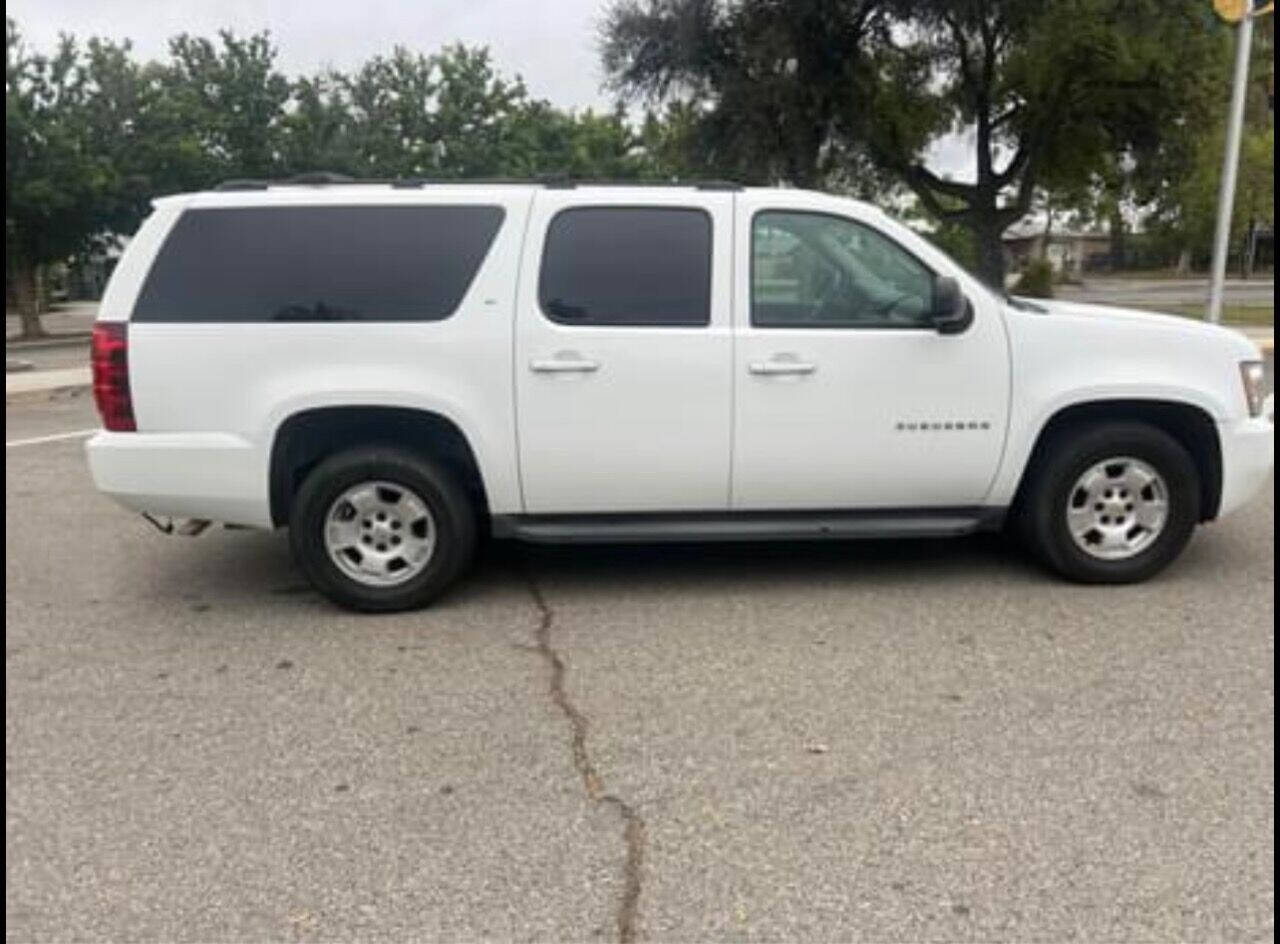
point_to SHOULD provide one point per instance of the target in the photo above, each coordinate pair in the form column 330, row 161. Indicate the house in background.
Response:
column 1070, row 250
column 86, row 275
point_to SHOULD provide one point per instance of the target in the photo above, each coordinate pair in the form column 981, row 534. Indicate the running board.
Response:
column 747, row 526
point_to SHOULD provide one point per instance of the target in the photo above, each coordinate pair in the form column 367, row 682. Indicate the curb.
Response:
column 44, row 383
column 69, row 391
column 68, row 340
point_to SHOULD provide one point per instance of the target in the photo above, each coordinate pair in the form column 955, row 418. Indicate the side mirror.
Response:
column 952, row 312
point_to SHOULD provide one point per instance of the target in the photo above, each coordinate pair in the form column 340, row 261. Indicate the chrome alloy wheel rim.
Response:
column 1117, row 508
column 380, row 534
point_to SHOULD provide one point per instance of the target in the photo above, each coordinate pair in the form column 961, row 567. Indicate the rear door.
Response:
column 623, row 351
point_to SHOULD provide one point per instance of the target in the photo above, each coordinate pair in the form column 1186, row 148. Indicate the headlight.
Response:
column 1254, row 378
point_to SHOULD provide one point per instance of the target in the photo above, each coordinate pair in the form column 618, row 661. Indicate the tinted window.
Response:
column 341, row 263
column 819, row 271
column 627, row 266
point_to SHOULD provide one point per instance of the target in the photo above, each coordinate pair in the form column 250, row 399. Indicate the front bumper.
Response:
column 1248, row 457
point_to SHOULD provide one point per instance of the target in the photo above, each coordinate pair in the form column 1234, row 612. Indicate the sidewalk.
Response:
column 69, row 323
column 46, row 381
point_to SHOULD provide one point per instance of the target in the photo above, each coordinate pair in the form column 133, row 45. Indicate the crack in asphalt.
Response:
column 634, row 833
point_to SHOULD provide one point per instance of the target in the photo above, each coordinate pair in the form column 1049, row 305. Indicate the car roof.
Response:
column 336, row 190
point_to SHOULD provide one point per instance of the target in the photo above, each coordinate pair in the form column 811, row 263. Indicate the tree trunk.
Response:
column 990, row 246
column 26, row 289
column 1116, row 225
column 1250, row 247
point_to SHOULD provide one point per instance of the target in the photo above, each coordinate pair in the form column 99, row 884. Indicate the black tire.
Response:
column 1041, row 511
column 452, row 511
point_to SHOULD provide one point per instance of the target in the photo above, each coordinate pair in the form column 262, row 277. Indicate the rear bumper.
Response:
column 1248, row 457
column 183, row 475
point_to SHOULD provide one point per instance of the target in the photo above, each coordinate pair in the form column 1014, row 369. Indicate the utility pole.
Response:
column 1244, row 11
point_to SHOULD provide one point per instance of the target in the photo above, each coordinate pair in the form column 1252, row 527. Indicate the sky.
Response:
column 551, row 44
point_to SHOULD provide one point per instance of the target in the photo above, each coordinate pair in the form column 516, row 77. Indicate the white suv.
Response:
column 393, row 368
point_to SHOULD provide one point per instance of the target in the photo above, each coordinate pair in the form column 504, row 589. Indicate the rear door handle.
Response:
column 552, row 366
column 781, row 367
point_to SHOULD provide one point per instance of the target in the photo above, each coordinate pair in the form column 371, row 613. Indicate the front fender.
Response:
column 1067, row 360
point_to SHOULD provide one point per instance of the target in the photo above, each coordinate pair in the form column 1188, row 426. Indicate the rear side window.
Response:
column 339, row 263
column 627, row 266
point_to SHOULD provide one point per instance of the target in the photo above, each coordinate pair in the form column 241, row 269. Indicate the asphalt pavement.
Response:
column 884, row 741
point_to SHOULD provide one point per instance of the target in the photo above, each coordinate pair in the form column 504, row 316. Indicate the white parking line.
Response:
column 36, row 440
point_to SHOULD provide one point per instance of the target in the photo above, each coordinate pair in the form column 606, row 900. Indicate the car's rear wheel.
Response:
column 380, row 529
column 1110, row 503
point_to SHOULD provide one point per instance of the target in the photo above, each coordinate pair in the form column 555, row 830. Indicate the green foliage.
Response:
column 1186, row 215
column 92, row 134
column 68, row 179
column 957, row 242
column 56, row 182
column 953, row 239
column 449, row 114
column 1053, row 91
column 766, row 83
column 1183, row 207
column 228, row 101
column 1036, row 280
column 1059, row 93
column 1096, row 104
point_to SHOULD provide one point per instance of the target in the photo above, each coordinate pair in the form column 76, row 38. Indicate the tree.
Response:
column 1050, row 89
column 450, row 114
column 317, row 132
column 225, row 105
column 768, row 83
column 64, row 187
column 474, row 115
column 1180, row 179
column 672, row 142
column 950, row 237
column 806, row 90
column 1186, row 217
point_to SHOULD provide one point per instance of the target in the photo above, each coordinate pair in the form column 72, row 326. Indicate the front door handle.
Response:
column 781, row 367
column 553, row 366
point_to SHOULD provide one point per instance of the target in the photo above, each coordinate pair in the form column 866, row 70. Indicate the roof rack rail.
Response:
column 568, row 183
column 405, row 183
column 242, row 184
column 550, row 181
column 319, row 178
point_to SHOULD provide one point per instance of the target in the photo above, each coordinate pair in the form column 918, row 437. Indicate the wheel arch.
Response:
column 1190, row 425
column 306, row 437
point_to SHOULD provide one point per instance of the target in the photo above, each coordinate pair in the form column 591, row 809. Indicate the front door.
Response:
column 624, row 353
column 847, row 397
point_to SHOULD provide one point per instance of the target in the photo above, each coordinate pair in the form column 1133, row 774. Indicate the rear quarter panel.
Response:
column 246, row 379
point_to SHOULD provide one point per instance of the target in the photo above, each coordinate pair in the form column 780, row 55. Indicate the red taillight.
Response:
column 110, row 359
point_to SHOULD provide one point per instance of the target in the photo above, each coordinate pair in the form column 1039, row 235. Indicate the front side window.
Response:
column 314, row 263
column 627, row 266
column 819, row 271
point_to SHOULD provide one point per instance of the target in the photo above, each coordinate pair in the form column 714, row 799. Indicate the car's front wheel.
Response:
column 1111, row 503
column 381, row 529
